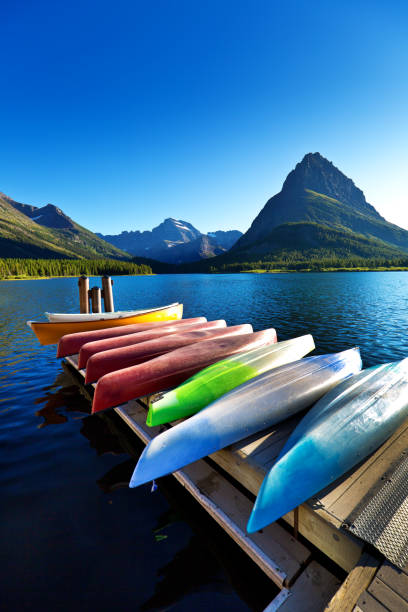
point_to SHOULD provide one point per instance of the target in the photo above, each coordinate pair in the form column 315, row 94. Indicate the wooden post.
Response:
column 83, row 284
column 96, row 299
column 296, row 523
column 107, row 293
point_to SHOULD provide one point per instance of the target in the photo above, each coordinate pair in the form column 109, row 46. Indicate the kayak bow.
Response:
column 341, row 430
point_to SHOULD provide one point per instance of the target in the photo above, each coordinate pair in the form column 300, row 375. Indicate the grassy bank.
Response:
column 358, row 269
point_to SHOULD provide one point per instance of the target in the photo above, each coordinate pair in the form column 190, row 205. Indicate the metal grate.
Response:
column 383, row 522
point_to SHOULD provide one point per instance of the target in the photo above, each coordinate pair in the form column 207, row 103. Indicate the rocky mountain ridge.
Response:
column 174, row 241
column 47, row 232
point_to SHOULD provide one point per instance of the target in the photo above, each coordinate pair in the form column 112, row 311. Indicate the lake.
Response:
column 73, row 536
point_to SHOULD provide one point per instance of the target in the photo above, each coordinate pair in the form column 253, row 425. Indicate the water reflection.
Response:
column 61, row 397
column 117, row 477
column 100, row 436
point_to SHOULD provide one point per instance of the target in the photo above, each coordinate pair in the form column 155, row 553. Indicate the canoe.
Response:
column 342, row 429
column 92, row 348
column 117, row 359
column 50, row 333
column 64, row 317
column 244, row 411
column 70, row 344
column 171, row 369
column 211, row 383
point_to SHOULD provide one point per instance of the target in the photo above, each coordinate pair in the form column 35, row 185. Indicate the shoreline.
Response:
column 323, row 270
column 258, row 271
column 17, row 278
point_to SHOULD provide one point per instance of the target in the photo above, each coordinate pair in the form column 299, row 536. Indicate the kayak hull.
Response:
column 94, row 316
column 70, row 344
column 118, row 359
column 244, row 411
column 92, row 348
column 342, row 429
column 50, row 333
column 172, row 368
column 216, row 380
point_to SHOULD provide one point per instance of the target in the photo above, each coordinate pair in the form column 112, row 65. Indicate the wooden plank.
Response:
column 340, row 546
column 315, row 524
column 389, row 598
column 278, row 554
column 394, row 578
column 355, row 584
column 278, row 601
column 272, row 439
column 368, row 603
column 311, row 591
column 72, row 360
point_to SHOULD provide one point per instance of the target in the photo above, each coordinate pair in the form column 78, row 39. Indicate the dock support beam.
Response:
column 107, row 293
column 83, row 284
column 96, row 299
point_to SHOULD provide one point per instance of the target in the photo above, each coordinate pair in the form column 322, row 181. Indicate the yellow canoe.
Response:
column 50, row 333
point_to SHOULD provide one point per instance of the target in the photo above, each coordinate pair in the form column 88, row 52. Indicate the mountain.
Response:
column 225, row 239
column 153, row 243
column 46, row 232
column 202, row 247
column 174, row 241
column 317, row 203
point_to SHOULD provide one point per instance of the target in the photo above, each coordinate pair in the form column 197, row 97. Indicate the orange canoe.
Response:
column 50, row 333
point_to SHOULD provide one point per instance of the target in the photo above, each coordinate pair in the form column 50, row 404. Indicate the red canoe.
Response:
column 117, row 359
column 172, row 368
column 70, row 344
column 91, row 348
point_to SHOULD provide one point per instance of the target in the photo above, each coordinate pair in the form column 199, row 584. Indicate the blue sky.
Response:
column 124, row 113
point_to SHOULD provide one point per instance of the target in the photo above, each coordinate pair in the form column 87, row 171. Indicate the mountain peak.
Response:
column 316, row 173
column 314, row 157
column 315, row 191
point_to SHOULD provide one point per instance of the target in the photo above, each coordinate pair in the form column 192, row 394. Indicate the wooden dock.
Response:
column 305, row 585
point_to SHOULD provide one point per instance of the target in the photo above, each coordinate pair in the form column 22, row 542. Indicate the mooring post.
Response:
column 107, row 293
column 96, row 299
column 83, row 284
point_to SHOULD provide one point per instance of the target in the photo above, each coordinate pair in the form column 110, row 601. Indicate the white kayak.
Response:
column 341, row 430
column 252, row 407
column 66, row 317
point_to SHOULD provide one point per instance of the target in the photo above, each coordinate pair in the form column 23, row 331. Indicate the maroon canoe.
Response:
column 91, row 348
column 116, row 359
column 71, row 343
column 172, row 368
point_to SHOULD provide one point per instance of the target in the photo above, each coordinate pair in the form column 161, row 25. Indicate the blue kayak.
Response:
column 342, row 429
column 252, row 407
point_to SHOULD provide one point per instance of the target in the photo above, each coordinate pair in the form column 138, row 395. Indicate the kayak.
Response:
column 70, row 344
column 208, row 385
column 172, row 368
column 342, row 429
column 244, row 411
column 92, row 348
column 64, row 317
column 50, row 332
column 117, row 359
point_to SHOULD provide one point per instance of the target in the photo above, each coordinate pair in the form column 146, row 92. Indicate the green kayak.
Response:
column 209, row 384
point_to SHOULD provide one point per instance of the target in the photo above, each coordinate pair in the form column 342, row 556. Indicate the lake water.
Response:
column 73, row 536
